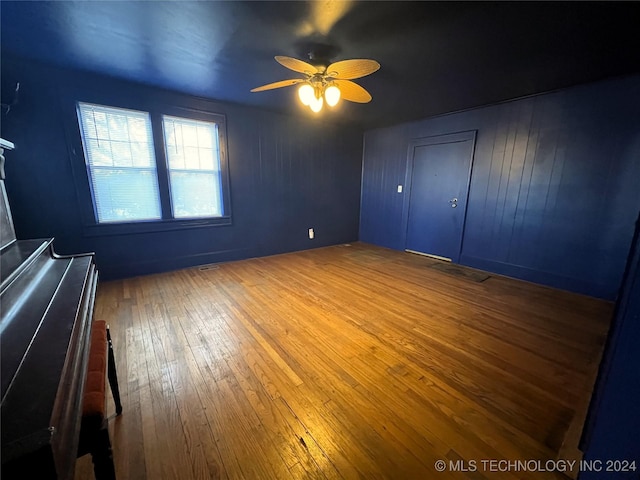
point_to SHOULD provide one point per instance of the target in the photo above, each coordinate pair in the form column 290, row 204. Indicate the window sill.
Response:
column 152, row 226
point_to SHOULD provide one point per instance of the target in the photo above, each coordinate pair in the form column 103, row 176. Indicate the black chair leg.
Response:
column 102, row 456
column 113, row 375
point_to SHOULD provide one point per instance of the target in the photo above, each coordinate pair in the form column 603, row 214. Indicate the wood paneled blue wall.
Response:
column 286, row 175
column 614, row 418
column 554, row 188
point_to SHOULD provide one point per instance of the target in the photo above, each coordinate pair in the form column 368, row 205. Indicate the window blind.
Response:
column 120, row 159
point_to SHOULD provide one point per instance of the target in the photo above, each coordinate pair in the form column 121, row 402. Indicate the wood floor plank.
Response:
column 345, row 362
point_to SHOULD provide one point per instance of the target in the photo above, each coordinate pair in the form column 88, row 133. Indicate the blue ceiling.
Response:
column 436, row 57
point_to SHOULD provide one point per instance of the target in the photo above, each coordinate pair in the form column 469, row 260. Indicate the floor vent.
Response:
column 212, row 266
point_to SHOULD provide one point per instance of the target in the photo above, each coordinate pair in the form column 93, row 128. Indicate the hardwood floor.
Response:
column 344, row 362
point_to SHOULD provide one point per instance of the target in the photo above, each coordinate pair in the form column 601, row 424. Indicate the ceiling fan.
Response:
column 326, row 83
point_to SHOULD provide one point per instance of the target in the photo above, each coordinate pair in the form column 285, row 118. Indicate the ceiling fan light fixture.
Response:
column 332, row 95
column 306, row 94
column 316, row 104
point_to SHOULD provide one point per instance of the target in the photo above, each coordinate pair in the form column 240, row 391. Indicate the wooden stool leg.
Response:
column 102, row 456
column 113, row 375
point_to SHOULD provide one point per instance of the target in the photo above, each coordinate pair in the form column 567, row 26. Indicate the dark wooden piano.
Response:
column 47, row 307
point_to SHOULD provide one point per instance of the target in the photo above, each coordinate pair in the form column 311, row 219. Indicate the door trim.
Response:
column 414, row 143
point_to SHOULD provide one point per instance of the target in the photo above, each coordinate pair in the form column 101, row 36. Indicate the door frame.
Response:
column 414, row 143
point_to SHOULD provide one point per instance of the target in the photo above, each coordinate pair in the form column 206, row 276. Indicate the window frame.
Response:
column 93, row 169
column 156, row 111
column 217, row 126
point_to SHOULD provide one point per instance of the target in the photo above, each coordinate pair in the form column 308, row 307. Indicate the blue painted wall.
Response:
column 554, row 188
column 286, row 176
column 614, row 417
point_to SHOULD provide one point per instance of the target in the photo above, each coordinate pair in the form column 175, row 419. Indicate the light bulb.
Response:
column 316, row 104
column 332, row 95
column 306, row 93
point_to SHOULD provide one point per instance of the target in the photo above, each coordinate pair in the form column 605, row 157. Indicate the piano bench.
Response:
column 94, row 432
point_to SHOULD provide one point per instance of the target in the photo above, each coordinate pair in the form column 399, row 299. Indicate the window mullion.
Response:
column 161, row 167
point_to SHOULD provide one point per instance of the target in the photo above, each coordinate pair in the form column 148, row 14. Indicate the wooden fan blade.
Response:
column 352, row 91
column 350, row 69
column 296, row 65
column 280, row 84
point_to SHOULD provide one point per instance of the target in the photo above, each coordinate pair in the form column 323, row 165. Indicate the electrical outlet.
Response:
column 399, row 188
column 311, row 234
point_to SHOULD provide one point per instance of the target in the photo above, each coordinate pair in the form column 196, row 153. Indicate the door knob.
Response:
column 453, row 202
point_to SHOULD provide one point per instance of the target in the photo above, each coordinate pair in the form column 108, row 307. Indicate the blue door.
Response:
column 439, row 171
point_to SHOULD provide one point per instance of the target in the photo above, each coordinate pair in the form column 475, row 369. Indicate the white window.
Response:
column 193, row 159
column 119, row 154
column 145, row 183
